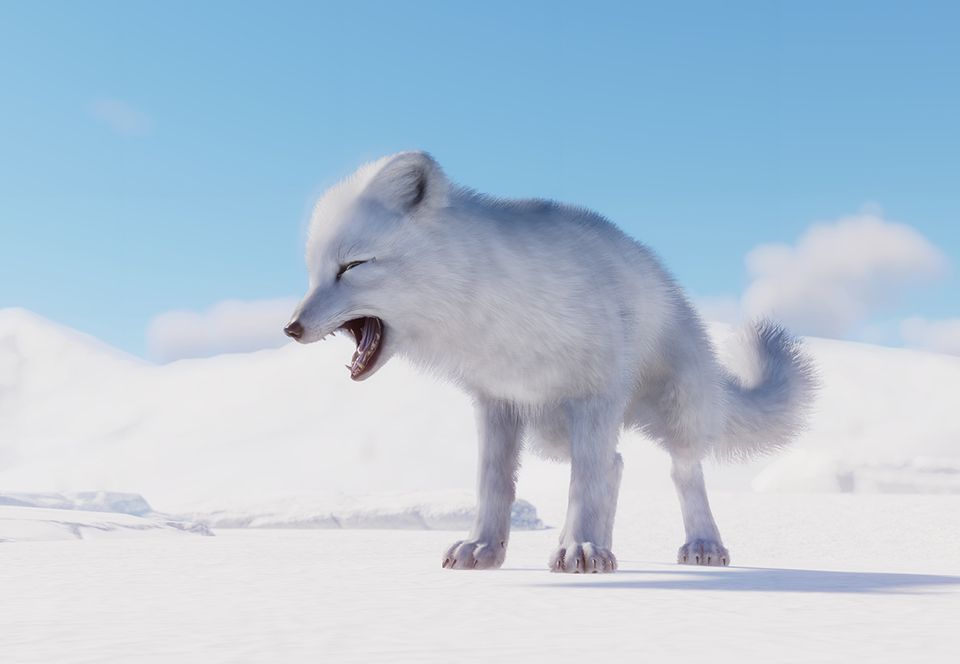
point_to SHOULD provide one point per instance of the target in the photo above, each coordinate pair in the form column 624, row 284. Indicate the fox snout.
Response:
column 294, row 329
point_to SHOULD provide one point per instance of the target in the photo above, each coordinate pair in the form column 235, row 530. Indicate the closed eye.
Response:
column 348, row 266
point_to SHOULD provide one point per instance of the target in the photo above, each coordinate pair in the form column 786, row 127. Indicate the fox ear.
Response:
column 408, row 181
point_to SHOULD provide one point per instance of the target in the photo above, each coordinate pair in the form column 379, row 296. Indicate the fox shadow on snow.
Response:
column 768, row 580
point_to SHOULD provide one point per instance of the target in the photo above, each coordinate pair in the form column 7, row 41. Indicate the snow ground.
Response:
column 826, row 578
column 829, row 564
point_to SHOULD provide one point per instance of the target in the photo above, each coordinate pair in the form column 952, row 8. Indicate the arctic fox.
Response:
column 562, row 328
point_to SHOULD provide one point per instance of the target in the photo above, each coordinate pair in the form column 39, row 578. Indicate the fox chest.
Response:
column 522, row 368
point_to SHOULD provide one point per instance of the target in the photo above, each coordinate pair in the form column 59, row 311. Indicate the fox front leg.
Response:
column 585, row 542
column 486, row 545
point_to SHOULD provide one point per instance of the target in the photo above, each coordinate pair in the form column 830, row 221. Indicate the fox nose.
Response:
column 294, row 330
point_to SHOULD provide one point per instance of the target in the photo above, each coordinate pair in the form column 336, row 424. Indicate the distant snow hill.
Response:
column 287, row 427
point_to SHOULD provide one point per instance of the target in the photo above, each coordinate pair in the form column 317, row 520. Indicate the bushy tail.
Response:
column 770, row 398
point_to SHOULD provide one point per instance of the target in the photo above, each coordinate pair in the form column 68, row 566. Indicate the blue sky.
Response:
column 163, row 156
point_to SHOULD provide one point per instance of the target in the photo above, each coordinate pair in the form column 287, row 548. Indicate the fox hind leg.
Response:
column 703, row 545
column 682, row 410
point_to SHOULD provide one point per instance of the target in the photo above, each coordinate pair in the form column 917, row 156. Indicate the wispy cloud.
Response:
column 120, row 116
column 231, row 326
column 837, row 278
column 839, row 274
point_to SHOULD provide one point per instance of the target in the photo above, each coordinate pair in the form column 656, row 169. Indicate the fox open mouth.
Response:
column 368, row 333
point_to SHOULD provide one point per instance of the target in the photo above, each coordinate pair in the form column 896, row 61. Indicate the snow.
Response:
column 818, row 578
column 435, row 510
column 881, row 410
column 92, row 501
column 257, row 429
column 32, row 524
column 331, row 502
column 418, row 510
column 28, row 517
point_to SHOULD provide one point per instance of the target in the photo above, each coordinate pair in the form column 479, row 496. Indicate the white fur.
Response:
column 563, row 329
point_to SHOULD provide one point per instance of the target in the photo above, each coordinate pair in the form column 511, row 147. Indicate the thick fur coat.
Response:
column 562, row 328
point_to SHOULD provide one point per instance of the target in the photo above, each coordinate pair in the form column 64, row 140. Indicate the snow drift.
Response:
column 444, row 510
column 276, row 426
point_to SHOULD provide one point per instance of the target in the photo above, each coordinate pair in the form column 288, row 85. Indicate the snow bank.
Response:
column 405, row 511
column 33, row 516
column 251, row 429
column 84, row 515
column 30, row 524
column 91, row 501
column 807, row 470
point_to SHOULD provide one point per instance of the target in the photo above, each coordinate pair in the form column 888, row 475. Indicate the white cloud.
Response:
column 232, row 326
column 940, row 336
column 838, row 274
column 121, row 117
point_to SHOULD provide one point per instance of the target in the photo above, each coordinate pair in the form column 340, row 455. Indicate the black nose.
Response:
column 294, row 330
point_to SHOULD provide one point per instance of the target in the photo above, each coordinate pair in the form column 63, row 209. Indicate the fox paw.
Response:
column 585, row 558
column 475, row 554
column 703, row 552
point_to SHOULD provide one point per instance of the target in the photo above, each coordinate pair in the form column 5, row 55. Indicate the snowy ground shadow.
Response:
column 767, row 580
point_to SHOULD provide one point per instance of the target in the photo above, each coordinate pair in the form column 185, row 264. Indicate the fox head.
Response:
column 368, row 255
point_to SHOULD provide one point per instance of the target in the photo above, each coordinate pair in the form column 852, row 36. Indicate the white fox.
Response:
column 562, row 328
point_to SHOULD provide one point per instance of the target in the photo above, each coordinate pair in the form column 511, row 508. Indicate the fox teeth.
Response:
column 370, row 338
column 360, row 362
column 361, row 359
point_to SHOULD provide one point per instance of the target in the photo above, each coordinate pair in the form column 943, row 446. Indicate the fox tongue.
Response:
column 368, row 334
